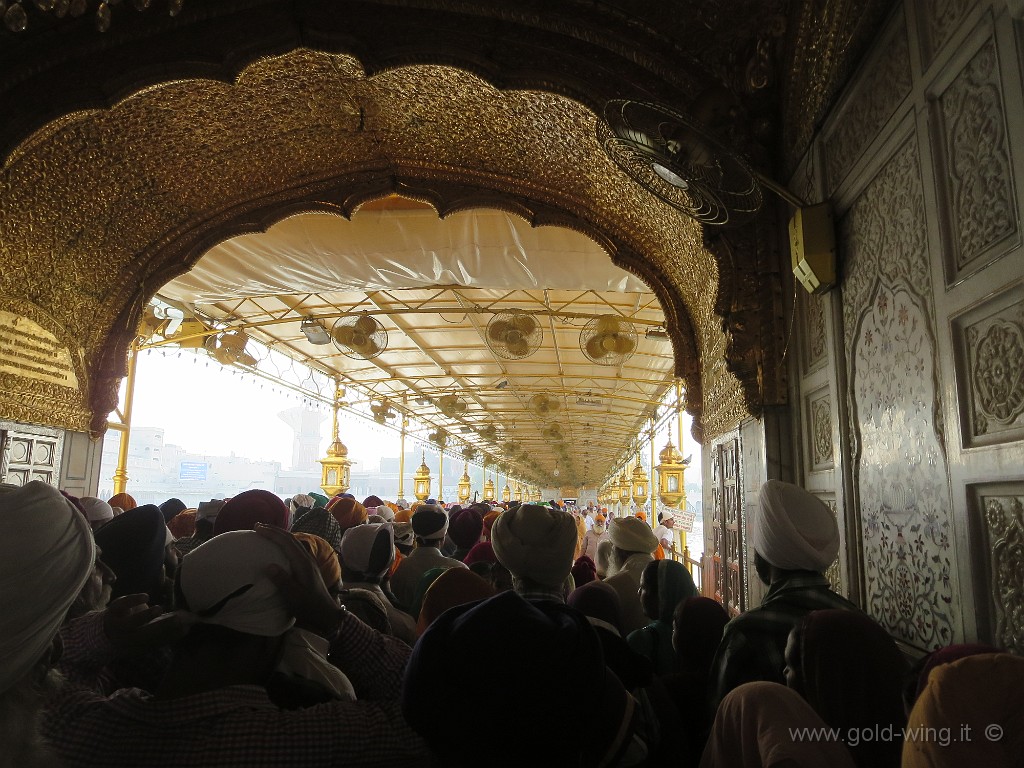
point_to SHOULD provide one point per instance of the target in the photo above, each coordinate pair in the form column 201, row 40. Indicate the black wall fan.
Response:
column 681, row 162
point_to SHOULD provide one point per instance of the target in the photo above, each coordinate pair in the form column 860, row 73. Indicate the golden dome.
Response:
column 337, row 449
column 670, row 455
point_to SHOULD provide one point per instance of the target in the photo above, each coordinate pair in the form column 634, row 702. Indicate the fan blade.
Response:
column 497, row 330
column 624, row 345
column 607, row 324
column 344, row 335
column 366, row 324
column 224, row 356
column 368, row 348
column 519, row 348
column 595, row 349
column 525, row 324
column 246, row 359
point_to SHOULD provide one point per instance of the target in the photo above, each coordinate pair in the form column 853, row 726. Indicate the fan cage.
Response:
column 713, row 184
column 608, row 340
column 360, row 337
column 513, row 334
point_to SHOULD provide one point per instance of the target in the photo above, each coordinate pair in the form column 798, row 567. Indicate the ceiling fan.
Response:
column 513, row 334
column 382, row 412
column 360, row 337
column 608, row 340
column 553, row 432
column 228, row 348
column 451, row 405
column 545, row 406
column 680, row 161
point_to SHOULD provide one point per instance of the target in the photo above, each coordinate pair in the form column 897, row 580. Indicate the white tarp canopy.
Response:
column 433, row 286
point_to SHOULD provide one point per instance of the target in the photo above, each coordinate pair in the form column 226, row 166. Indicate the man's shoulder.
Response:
column 786, row 609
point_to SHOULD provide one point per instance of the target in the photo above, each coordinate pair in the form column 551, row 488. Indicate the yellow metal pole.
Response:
column 652, row 483
column 121, row 473
column 440, row 475
column 401, row 460
column 679, row 422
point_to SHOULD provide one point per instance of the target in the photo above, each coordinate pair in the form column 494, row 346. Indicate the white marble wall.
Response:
column 910, row 381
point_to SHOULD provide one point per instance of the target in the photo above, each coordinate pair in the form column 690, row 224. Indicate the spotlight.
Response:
column 501, row 384
column 314, row 332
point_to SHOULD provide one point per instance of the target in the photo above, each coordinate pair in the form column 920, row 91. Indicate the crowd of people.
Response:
column 256, row 631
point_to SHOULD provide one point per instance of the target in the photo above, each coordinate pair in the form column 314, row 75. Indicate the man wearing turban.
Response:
column 536, row 543
column 429, row 525
column 633, row 545
column 48, row 557
column 255, row 610
column 795, row 538
column 367, row 552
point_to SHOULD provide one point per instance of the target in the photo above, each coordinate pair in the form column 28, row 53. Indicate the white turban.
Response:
column 535, row 542
column 47, row 554
column 235, row 563
column 632, row 535
column 367, row 550
column 96, row 510
column 794, row 530
column 300, row 500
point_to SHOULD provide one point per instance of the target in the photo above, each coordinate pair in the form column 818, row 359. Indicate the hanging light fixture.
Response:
column 639, row 485
column 421, row 480
column 625, row 488
column 671, row 490
column 488, row 486
column 336, row 468
column 465, row 489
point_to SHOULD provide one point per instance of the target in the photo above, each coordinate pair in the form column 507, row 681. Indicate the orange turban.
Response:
column 325, row 556
column 348, row 512
column 641, row 516
column 399, row 557
column 183, row 524
column 456, row 586
column 403, row 516
column 122, row 501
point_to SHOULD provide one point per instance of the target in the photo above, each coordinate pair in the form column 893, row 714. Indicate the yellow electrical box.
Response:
column 812, row 244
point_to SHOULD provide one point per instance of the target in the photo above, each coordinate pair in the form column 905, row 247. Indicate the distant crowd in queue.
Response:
column 255, row 632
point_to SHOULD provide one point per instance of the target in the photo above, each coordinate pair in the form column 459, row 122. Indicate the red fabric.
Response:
column 465, row 527
column 583, row 571
column 481, row 553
